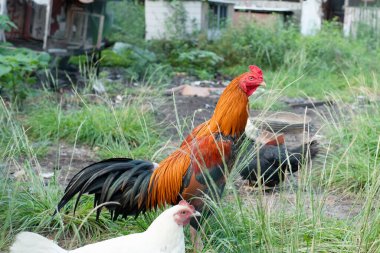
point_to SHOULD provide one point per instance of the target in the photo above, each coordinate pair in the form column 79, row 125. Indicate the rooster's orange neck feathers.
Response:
column 231, row 112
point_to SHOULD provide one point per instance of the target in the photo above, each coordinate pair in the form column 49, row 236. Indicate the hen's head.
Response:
column 251, row 80
column 184, row 212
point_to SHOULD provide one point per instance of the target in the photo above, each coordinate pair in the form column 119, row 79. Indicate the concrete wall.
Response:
column 240, row 19
column 157, row 12
column 311, row 17
column 269, row 4
column 230, row 12
column 261, row 12
column 358, row 3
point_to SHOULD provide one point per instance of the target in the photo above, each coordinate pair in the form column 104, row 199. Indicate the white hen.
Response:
column 164, row 235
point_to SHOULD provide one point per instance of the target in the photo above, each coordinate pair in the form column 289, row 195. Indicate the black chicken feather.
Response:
column 120, row 180
column 271, row 162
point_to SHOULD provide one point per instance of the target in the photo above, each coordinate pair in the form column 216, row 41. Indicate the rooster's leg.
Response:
column 196, row 240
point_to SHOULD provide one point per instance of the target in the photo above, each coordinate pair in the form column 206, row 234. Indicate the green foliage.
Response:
column 369, row 34
column 279, row 48
column 5, row 130
column 184, row 56
column 16, row 69
column 253, row 43
column 330, row 51
column 113, row 59
column 6, row 24
column 176, row 23
column 128, row 22
column 169, row 50
column 137, row 62
column 199, row 62
column 140, row 59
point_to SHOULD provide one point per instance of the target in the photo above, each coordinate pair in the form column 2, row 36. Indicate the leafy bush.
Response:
column 186, row 56
column 253, row 43
column 112, row 59
column 139, row 59
column 16, row 68
column 199, row 62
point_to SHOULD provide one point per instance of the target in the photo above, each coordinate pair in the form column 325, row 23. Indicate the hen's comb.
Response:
column 184, row 203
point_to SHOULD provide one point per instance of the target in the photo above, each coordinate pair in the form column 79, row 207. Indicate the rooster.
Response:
column 164, row 235
column 204, row 155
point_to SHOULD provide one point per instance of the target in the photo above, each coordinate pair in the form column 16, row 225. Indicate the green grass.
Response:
column 97, row 125
column 354, row 147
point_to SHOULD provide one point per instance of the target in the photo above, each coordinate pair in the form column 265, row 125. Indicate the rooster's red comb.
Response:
column 184, row 203
column 255, row 70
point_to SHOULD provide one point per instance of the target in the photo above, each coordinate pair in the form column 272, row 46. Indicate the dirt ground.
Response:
column 192, row 110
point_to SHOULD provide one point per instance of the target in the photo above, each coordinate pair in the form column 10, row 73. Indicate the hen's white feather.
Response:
column 27, row 242
column 164, row 235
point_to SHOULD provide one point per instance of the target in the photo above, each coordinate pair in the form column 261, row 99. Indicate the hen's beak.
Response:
column 263, row 84
column 196, row 213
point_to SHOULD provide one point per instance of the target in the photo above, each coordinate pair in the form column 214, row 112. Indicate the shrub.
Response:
column 17, row 66
column 198, row 62
column 252, row 43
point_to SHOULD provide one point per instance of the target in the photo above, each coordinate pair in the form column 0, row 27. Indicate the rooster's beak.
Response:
column 263, row 84
column 196, row 214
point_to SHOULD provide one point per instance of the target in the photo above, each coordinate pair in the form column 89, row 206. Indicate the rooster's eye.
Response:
column 250, row 78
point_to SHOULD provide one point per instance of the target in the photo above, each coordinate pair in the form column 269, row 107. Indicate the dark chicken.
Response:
column 270, row 162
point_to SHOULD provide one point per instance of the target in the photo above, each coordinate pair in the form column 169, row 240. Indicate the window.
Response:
column 217, row 15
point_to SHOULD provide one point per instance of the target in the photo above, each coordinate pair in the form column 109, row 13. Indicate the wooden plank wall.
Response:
column 354, row 17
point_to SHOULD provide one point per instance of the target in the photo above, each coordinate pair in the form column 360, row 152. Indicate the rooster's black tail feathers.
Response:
column 121, row 181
